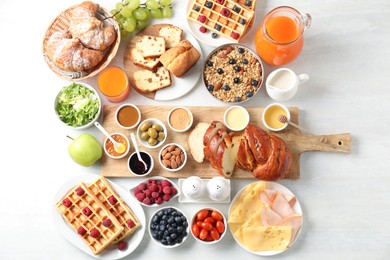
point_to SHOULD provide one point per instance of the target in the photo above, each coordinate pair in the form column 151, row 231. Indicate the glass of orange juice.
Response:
column 279, row 39
column 114, row 84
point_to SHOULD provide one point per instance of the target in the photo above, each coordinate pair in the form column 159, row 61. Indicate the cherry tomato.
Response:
column 207, row 226
column 209, row 238
column 216, row 215
column 215, row 234
column 199, row 223
column 204, row 213
column 203, row 234
column 220, row 226
column 195, row 230
column 209, row 220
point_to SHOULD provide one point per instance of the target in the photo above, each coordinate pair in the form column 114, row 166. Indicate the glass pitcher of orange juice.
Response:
column 279, row 39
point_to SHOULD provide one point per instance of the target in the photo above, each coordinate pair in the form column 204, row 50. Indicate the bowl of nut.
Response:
column 152, row 133
column 233, row 73
column 172, row 157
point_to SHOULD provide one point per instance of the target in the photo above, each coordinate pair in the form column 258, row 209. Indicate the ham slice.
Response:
column 271, row 194
column 295, row 222
column 270, row 217
column 282, row 206
column 264, row 198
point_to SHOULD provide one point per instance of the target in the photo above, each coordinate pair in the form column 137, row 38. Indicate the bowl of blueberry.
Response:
column 168, row 227
column 233, row 73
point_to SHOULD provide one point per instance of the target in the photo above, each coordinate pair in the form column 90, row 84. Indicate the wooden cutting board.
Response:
column 295, row 140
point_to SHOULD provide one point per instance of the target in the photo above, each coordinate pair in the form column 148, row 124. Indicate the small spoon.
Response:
column 119, row 147
column 132, row 137
column 283, row 119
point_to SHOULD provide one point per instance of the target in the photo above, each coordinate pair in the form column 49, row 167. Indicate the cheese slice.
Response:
column 260, row 238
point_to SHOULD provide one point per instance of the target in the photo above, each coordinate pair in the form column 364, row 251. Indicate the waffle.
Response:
column 103, row 191
column 73, row 214
column 230, row 25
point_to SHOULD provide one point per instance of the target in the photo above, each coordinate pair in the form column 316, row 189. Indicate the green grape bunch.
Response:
column 131, row 15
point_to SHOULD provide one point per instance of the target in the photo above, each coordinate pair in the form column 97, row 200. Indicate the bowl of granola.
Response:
column 233, row 73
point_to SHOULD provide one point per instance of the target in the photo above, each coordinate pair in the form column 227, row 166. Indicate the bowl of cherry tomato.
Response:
column 208, row 226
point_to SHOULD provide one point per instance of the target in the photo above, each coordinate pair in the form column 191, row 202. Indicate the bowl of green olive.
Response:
column 152, row 133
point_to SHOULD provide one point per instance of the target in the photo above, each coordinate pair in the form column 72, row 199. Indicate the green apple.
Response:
column 85, row 150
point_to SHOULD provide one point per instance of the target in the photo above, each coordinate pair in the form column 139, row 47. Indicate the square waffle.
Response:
column 104, row 192
column 85, row 213
column 229, row 18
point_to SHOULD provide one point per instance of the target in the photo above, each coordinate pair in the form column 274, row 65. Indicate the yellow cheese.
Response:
column 260, row 238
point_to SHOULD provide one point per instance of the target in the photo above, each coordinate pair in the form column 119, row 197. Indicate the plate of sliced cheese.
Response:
column 163, row 62
column 265, row 218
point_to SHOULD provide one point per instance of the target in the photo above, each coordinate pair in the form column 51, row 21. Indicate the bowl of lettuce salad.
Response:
column 78, row 105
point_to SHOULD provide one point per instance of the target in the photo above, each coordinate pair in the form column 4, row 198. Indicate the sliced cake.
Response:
column 172, row 35
column 151, row 46
column 146, row 81
column 139, row 60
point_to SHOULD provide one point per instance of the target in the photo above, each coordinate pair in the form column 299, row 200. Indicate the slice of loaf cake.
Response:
column 139, row 60
column 146, row 81
column 172, row 35
column 151, row 46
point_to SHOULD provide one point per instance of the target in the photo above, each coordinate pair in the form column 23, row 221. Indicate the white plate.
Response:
column 297, row 209
column 69, row 234
column 203, row 199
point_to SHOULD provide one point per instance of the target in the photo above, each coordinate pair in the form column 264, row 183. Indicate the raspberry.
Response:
column 166, row 197
column 173, row 191
column 107, row 222
column 159, row 201
column 152, row 200
column 150, row 181
column 148, row 193
column 202, row 18
column 112, row 200
column 155, row 195
column 142, row 186
column 66, row 202
column 81, row 231
column 220, row 2
column 122, row 245
column 130, row 223
column 94, row 233
column 80, row 191
column 225, row 12
column 160, row 189
column 136, row 191
column 140, row 196
column 147, row 201
column 153, row 187
column 167, row 190
column 202, row 29
column 87, row 211
column 166, row 183
column 235, row 35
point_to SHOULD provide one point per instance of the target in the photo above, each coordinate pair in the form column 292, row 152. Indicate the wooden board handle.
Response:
column 339, row 143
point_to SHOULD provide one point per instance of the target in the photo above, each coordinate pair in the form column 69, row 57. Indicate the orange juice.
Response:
column 114, row 84
column 279, row 40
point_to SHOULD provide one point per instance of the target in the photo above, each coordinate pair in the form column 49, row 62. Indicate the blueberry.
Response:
column 219, row 71
column 155, row 235
column 244, row 61
column 218, row 27
column 171, row 220
column 185, row 224
column 164, row 242
column 236, row 80
column 196, row 8
column 232, row 61
column 237, row 68
column 155, row 219
column 179, row 239
column 248, row 3
column 241, row 50
column 165, row 212
column 162, row 227
column 238, row 99
column 242, row 21
column 226, row 87
column 172, row 230
column 163, row 222
column 249, row 94
column 214, row 35
column 180, row 229
column 178, row 220
column 209, row 4
column 236, row 9
column 210, row 63
column 169, row 211
column 174, row 236
column 174, row 225
column 166, row 233
column 160, row 213
column 164, row 217
column 254, row 82
column 169, row 239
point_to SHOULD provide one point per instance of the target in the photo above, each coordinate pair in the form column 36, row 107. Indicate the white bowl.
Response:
column 178, row 168
column 158, row 242
column 156, row 178
column 245, row 118
column 189, row 114
column 284, row 108
column 193, row 222
column 122, row 155
column 90, row 123
column 134, row 154
column 153, row 121
column 128, row 105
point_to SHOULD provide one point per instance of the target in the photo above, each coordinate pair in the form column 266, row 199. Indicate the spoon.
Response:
column 119, row 147
column 283, row 119
column 132, row 137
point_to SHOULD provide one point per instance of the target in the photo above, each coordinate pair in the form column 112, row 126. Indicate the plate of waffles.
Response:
column 99, row 217
column 221, row 21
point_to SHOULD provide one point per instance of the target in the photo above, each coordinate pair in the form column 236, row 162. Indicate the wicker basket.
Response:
column 61, row 23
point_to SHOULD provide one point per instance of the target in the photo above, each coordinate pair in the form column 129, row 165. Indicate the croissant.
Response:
column 69, row 54
column 91, row 31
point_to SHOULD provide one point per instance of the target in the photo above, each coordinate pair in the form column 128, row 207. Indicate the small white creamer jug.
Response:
column 282, row 84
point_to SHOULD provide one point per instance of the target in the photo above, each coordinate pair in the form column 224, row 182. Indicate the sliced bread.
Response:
column 151, row 46
column 148, row 63
column 146, row 81
column 172, row 35
column 195, row 141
